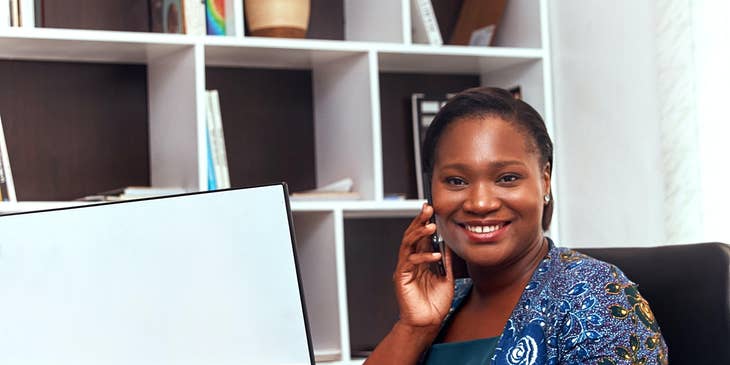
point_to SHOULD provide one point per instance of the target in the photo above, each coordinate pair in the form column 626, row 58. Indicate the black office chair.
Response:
column 688, row 288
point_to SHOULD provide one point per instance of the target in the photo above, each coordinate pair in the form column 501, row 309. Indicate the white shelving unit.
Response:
column 346, row 104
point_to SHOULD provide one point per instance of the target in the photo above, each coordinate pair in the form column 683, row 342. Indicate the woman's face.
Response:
column 488, row 188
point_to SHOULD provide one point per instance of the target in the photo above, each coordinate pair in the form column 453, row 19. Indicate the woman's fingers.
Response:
column 424, row 258
column 417, row 230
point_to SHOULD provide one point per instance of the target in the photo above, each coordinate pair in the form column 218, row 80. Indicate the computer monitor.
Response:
column 204, row 278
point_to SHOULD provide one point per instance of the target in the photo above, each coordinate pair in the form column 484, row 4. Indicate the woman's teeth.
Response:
column 483, row 229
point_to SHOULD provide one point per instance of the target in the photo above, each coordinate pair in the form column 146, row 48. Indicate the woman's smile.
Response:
column 485, row 232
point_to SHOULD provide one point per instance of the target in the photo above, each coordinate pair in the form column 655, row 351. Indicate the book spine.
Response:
column 230, row 17
column 194, row 15
column 27, row 13
column 3, row 183
column 209, row 123
column 211, row 169
column 219, row 151
column 14, row 13
column 416, row 116
column 8, row 188
column 426, row 21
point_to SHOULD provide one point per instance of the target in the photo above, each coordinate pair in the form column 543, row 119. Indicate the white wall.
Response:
column 607, row 124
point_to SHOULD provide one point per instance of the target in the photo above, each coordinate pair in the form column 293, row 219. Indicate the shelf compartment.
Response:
column 316, row 252
column 266, row 142
column 68, row 133
column 371, row 253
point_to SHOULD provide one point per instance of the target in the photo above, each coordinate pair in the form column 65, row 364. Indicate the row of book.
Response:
column 476, row 25
column 196, row 17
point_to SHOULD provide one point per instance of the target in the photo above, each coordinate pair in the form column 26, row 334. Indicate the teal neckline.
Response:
column 471, row 352
column 467, row 342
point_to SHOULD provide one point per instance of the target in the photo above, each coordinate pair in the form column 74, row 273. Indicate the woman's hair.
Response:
column 489, row 101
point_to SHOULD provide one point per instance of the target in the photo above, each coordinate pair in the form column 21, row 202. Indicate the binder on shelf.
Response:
column 424, row 23
column 478, row 22
column 194, row 17
column 424, row 109
column 214, row 124
column 7, row 188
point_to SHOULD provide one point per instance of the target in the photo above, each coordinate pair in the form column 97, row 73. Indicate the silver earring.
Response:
column 547, row 198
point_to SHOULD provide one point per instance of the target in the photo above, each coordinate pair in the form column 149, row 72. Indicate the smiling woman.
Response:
column 526, row 301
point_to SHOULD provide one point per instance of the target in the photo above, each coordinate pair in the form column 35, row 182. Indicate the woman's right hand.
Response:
column 424, row 297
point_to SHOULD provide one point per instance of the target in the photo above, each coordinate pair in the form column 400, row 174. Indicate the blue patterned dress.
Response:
column 576, row 310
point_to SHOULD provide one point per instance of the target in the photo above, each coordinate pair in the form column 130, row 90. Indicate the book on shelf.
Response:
column 338, row 190
column 478, row 22
column 133, row 192
column 212, row 184
column 14, row 13
column 166, row 16
column 423, row 21
column 27, row 13
column 7, row 188
column 194, row 16
column 215, row 17
column 424, row 108
column 217, row 141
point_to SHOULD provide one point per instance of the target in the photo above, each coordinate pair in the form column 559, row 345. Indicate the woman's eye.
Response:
column 508, row 178
column 455, row 181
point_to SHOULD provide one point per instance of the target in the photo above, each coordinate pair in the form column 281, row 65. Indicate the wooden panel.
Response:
column 268, row 125
column 122, row 15
column 399, row 176
column 74, row 129
column 371, row 252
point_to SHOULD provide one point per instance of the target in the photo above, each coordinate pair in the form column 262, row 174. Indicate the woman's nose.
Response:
column 481, row 200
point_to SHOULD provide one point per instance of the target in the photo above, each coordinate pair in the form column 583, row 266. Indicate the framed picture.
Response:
column 7, row 188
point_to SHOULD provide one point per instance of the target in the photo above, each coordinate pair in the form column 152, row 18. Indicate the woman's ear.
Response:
column 546, row 174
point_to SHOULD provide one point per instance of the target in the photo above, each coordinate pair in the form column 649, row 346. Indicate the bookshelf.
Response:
column 307, row 111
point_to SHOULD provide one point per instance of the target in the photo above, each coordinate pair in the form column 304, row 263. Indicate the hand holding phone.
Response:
column 437, row 243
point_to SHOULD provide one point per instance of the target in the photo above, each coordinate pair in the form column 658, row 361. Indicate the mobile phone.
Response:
column 437, row 243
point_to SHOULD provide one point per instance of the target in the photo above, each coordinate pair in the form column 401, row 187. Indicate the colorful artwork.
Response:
column 215, row 17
